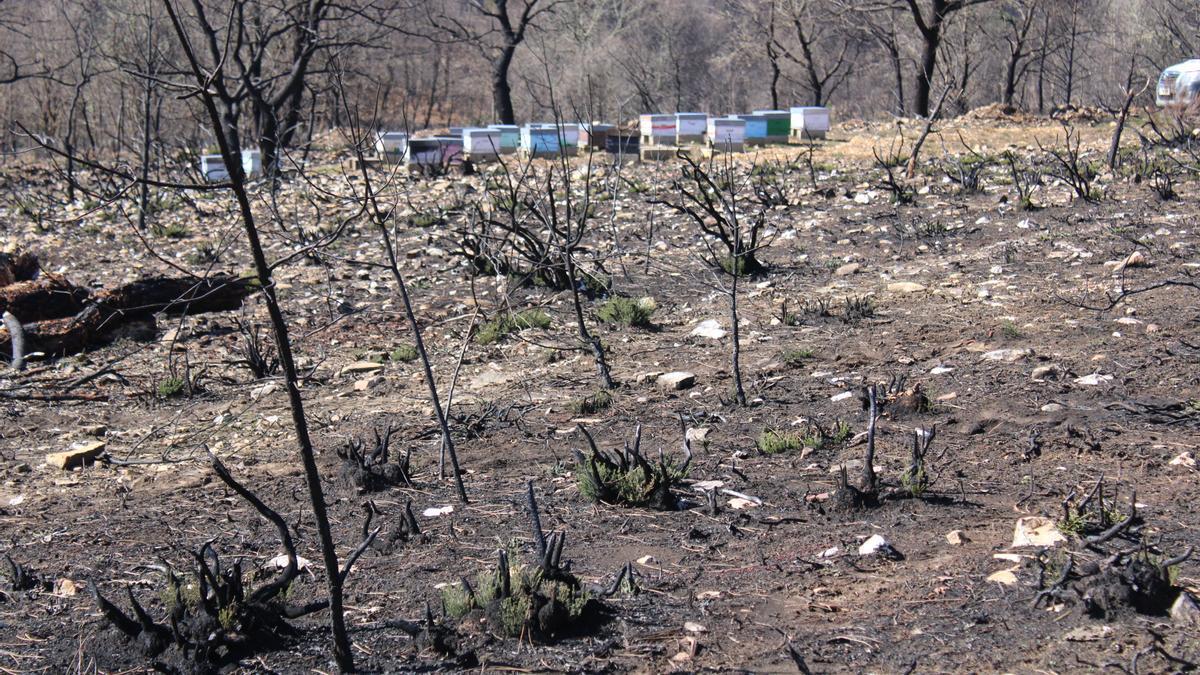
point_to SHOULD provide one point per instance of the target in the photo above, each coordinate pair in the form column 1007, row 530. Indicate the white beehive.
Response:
column 690, row 128
column 727, row 133
column 810, row 122
column 481, row 143
column 251, row 163
column 657, row 129
column 212, row 167
column 393, row 143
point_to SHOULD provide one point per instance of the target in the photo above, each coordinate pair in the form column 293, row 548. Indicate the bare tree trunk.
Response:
column 501, row 89
column 231, row 154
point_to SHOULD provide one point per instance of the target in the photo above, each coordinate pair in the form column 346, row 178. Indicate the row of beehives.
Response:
column 732, row 133
column 656, row 132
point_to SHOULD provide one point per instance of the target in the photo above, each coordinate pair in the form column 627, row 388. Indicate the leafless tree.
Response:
column 825, row 53
column 930, row 18
column 496, row 28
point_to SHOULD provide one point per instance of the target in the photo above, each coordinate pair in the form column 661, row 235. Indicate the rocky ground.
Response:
column 975, row 316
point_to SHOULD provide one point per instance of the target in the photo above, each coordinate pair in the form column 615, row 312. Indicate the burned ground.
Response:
column 1034, row 397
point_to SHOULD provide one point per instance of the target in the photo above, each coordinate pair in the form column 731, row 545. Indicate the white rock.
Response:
column 877, row 543
column 709, row 328
column 281, row 561
column 1095, row 379
column 1184, row 459
column 1036, row 531
column 435, row 511
column 941, row 370
column 680, row 379
column 905, row 287
column 1010, row 355
column 841, row 397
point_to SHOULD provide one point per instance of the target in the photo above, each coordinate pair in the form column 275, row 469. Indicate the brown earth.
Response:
column 724, row 592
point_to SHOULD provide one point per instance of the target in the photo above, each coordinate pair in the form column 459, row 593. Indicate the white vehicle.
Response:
column 1179, row 84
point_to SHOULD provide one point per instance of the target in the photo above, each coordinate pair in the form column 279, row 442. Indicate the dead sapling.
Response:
column 540, row 602
column 1026, row 179
column 373, row 471
column 897, row 186
column 1096, row 519
column 866, row 494
column 626, row 477
column 255, row 352
column 213, row 619
column 405, row 530
column 22, row 579
column 1071, row 165
column 916, row 478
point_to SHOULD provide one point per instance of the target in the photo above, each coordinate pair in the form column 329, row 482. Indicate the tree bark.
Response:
column 501, row 89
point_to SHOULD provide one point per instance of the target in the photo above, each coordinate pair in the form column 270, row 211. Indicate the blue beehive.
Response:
column 540, row 140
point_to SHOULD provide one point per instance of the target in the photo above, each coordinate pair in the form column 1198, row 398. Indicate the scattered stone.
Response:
column 23, row 467
column 1135, row 259
column 905, row 287
column 957, row 538
column 1185, row 611
column 697, row 434
column 1088, row 633
column 739, row 504
column 1184, row 459
column 96, row 430
column 264, row 390
column 1007, row 577
column 1010, row 355
column 368, row 383
column 847, row 269
column 435, row 511
column 709, row 328
column 361, row 367
column 76, row 456
column 1093, row 380
column 646, row 560
column 1044, row 373
column 65, row 588
column 877, row 544
column 1053, row 407
column 842, row 396
column 680, row 379
column 280, row 562
column 693, row 627
column 1036, row 531
column 941, row 370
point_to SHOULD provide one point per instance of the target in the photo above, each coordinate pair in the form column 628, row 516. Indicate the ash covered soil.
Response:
column 970, row 313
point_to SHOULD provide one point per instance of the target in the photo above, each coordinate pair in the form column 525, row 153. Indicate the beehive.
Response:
column 657, row 129
column 619, row 143
column 510, row 137
column 391, row 144
column 481, row 143
column 809, row 122
column 778, row 126
column 451, row 149
column 251, row 163
column 727, row 134
column 539, row 140
column 690, row 128
column 424, row 152
column 212, row 167
column 595, row 136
